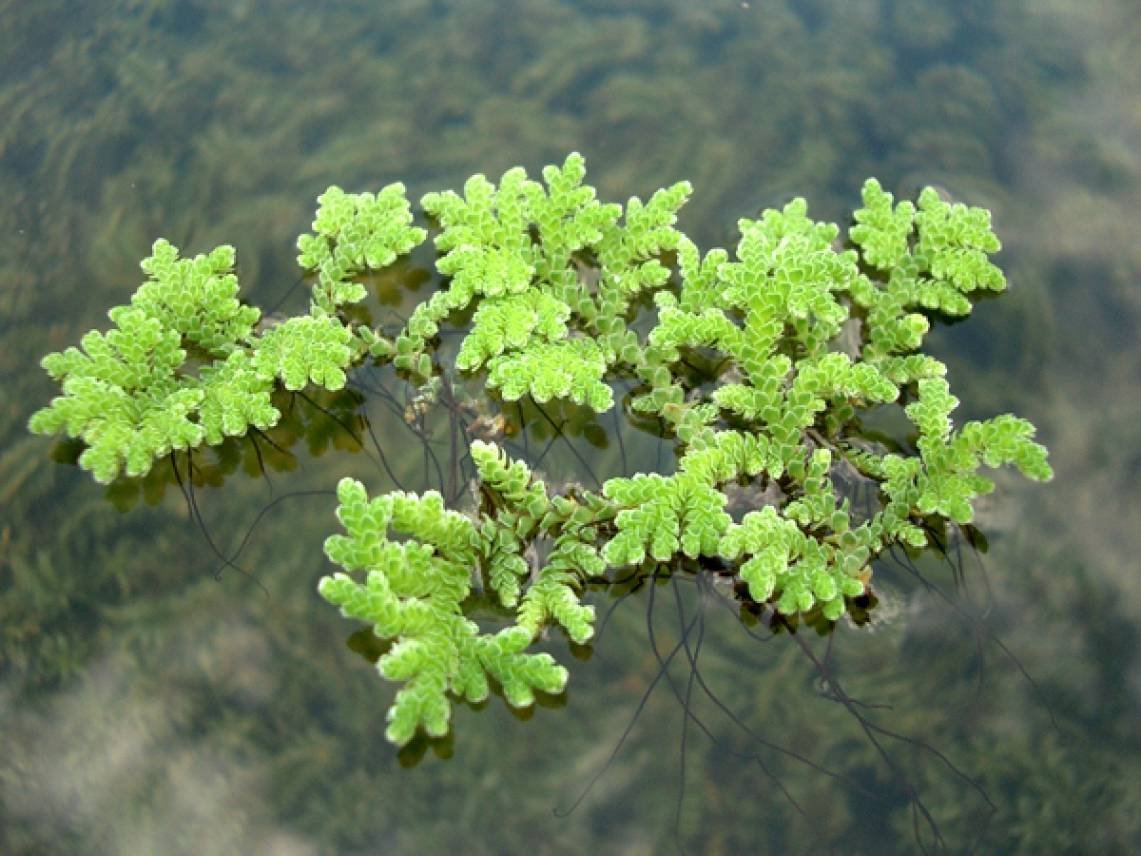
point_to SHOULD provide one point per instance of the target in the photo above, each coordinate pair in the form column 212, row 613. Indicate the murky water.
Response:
column 154, row 699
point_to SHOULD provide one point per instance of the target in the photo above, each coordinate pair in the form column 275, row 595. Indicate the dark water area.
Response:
column 156, row 699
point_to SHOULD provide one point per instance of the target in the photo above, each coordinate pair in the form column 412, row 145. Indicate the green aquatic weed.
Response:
column 758, row 365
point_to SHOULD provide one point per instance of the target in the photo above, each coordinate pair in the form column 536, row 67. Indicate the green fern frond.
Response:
column 122, row 397
column 197, row 297
column 883, row 233
column 758, row 366
column 304, row 350
column 629, row 251
column 354, row 232
column 954, row 242
column 572, row 369
column 511, row 322
column 553, row 595
column 661, row 516
column 235, row 395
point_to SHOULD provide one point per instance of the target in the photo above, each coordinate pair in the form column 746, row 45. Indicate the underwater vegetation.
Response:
column 134, row 120
column 762, row 370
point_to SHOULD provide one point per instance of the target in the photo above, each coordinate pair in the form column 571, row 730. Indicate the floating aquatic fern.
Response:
column 186, row 365
column 413, row 594
column 800, row 335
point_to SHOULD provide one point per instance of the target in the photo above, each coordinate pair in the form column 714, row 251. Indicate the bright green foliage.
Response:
column 197, row 297
column 786, row 563
column 883, row 233
column 412, row 594
column 413, row 590
column 126, row 394
column 185, row 365
column 517, row 503
column 949, row 481
column 354, row 232
column 510, row 482
column 517, row 514
column 303, row 350
column 777, row 313
column 663, row 516
column 542, row 261
column 236, row 395
column 553, row 595
column 511, row 321
column 932, row 259
column 569, row 369
column 954, row 242
column 716, row 458
column 121, row 396
column 630, row 254
column 512, row 246
column 758, row 366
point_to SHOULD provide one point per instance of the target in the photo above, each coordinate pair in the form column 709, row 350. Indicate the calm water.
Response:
column 150, row 704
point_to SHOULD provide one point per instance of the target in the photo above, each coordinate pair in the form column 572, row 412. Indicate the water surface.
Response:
column 153, row 701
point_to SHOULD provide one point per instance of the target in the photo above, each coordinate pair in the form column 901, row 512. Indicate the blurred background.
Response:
column 150, row 704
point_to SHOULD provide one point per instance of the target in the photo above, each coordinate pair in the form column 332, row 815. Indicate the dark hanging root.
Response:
column 687, row 705
column 955, row 563
column 979, row 628
column 364, row 380
column 662, row 672
column 703, row 589
column 927, row 833
column 420, row 431
column 958, row 574
column 733, row 606
column 388, row 400
column 451, row 486
column 874, row 731
column 334, row 417
column 455, row 421
column 602, row 625
column 262, row 513
column 401, row 321
column 187, row 488
column 686, row 698
column 459, row 445
column 976, row 541
column 538, row 462
column 578, row 455
column 828, row 688
column 523, row 431
column 465, row 464
column 637, row 578
column 261, row 461
column 459, row 466
column 381, row 456
column 621, row 443
column 254, row 434
column 284, row 297
column 382, row 462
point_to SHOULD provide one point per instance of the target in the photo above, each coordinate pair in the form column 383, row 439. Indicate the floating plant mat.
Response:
column 777, row 426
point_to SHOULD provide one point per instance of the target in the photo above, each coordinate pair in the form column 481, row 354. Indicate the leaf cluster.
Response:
column 802, row 335
column 187, row 363
column 414, row 591
column 554, row 272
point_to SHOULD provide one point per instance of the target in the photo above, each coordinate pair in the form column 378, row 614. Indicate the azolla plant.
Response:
column 761, row 367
